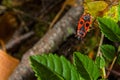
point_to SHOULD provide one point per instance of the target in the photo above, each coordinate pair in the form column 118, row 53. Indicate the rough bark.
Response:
column 52, row 39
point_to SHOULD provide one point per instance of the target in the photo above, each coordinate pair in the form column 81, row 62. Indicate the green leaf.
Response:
column 110, row 29
column 54, row 67
column 100, row 61
column 108, row 51
column 86, row 67
column 42, row 71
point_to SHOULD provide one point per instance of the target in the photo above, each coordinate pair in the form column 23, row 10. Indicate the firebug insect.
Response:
column 83, row 25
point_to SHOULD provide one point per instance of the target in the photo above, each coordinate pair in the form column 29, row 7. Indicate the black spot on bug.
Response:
column 87, row 24
column 81, row 22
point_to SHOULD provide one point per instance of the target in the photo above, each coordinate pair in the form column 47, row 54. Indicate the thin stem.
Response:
column 58, row 15
column 100, row 54
column 111, row 66
column 113, row 62
column 101, row 41
column 104, row 73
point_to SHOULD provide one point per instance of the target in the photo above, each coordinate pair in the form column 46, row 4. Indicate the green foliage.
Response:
column 42, row 71
column 54, row 67
column 86, row 67
column 58, row 68
column 119, row 11
column 100, row 61
column 108, row 51
column 113, row 13
column 90, row 7
column 110, row 29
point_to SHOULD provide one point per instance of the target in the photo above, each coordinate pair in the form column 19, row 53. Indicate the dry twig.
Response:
column 101, row 41
column 18, row 40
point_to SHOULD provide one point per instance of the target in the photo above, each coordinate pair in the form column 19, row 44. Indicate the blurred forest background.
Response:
column 25, row 22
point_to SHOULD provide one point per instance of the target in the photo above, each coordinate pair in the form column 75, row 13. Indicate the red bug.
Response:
column 83, row 25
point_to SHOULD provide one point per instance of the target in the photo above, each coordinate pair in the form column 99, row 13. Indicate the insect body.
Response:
column 83, row 25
